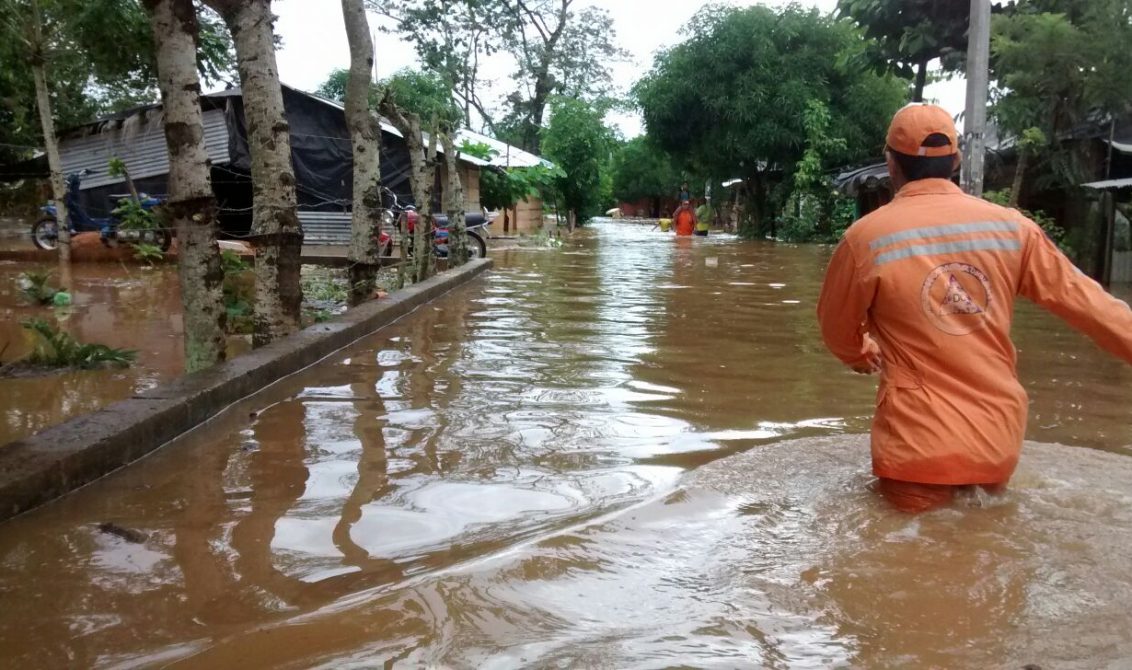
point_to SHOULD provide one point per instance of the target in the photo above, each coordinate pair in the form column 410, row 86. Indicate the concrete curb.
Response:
column 60, row 459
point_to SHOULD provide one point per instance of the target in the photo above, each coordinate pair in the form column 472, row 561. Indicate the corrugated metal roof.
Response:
column 1110, row 184
column 852, row 181
column 140, row 143
column 507, row 155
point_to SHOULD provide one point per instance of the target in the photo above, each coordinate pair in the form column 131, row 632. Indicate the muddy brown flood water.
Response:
column 632, row 452
column 115, row 305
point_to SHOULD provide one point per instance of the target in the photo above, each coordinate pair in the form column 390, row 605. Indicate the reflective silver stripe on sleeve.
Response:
column 939, row 231
column 991, row 244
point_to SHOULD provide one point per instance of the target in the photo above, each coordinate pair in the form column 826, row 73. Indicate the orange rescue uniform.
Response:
column 931, row 279
column 685, row 221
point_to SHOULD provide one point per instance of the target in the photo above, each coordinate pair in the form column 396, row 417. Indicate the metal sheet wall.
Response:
column 325, row 227
column 140, row 144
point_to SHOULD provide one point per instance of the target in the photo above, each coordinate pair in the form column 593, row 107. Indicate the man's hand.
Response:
column 871, row 358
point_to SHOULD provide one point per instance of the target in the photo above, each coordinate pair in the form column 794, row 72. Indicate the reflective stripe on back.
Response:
column 943, row 231
column 990, row 244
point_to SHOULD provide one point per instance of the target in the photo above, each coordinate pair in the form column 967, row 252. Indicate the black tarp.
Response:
column 321, row 152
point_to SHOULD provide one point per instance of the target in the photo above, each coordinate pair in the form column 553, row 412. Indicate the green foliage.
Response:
column 35, row 287
column 99, row 59
column 132, row 216
column 504, row 187
column 809, row 172
column 557, row 50
column 238, row 291
column 334, row 88
column 905, row 34
column 150, row 254
column 734, row 98
column 501, row 188
column 1060, row 65
column 642, row 170
column 116, row 167
column 1046, row 222
column 324, row 288
column 816, row 215
column 57, row 349
column 578, row 142
column 426, row 94
column 233, row 263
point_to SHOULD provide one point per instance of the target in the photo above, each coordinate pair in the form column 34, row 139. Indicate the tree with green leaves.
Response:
column 578, row 142
column 906, row 35
column 557, row 48
column 641, row 170
column 732, row 99
column 1060, row 65
column 452, row 37
column 559, row 52
column 409, row 100
column 427, row 97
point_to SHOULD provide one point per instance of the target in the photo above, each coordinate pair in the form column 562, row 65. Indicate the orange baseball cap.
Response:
column 914, row 123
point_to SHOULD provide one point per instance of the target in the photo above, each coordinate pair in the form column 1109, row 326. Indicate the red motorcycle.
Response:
column 400, row 218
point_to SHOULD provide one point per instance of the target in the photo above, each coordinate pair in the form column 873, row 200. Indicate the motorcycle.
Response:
column 400, row 217
column 45, row 231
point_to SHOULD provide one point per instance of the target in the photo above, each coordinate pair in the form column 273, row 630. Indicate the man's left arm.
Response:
column 843, row 309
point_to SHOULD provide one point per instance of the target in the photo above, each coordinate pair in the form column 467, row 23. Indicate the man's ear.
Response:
column 956, row 162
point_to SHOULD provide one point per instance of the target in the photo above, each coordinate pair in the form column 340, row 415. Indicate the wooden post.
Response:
column 1109, row 200
column 975, row 119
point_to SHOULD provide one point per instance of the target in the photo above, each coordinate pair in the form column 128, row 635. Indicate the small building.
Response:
column 320, row 150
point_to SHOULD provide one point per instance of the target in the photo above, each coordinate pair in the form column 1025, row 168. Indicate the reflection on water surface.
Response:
column 581, row 460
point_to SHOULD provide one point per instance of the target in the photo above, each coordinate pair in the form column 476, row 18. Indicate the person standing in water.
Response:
column 685, row 219
column 922, row 291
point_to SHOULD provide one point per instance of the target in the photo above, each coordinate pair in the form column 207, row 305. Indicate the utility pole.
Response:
column 975, row 118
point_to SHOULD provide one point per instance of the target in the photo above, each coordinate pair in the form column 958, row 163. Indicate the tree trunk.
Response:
column 277, row 235
column 921, row 81
column 457, row 233
column 423, row 238
column 191, row 208
column 38, row 62
column 758, row 206
column 365, row 137
column 745, row 225
column 1019, row 176
column 421, row 178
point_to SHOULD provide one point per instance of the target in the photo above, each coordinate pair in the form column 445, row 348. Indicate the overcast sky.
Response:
column 314, row 43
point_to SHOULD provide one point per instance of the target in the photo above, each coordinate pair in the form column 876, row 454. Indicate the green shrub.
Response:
column 35, row 288
column 1046, row 222
column 239, row 292
column 57, row 349
column 819, row 215
column 150, row 254
column 132, row 216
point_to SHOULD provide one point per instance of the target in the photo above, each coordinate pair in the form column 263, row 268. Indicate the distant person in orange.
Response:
column 685, row 219
column 922, row 291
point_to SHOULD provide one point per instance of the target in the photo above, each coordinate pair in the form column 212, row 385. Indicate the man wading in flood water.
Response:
column 922, row 291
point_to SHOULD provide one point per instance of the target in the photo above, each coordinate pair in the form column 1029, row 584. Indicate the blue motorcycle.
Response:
column 45, row 231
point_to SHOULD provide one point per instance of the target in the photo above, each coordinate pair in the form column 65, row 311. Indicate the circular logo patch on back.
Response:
column 956, row 298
